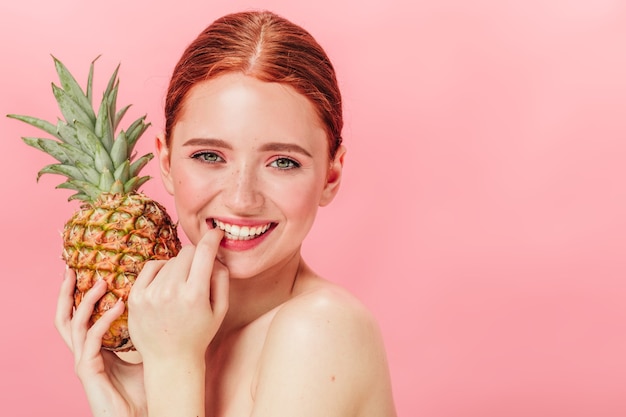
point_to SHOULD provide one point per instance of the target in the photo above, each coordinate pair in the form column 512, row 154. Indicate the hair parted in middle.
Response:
column 268, row 47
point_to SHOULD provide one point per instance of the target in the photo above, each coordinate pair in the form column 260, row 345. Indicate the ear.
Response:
column 163, row 155
column 333, row 178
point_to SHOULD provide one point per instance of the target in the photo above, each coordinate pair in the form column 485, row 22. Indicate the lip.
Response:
column 240, row 222
column 239, row 244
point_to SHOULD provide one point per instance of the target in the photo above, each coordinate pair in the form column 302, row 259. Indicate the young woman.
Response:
column 238, row 324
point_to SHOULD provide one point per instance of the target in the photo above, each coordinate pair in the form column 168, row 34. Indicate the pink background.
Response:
column 482, row 215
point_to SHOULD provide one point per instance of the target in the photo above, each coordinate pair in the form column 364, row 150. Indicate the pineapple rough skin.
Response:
column 117, row 229
column 112, row 239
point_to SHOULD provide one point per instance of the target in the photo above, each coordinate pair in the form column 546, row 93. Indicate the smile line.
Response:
column 236, row 232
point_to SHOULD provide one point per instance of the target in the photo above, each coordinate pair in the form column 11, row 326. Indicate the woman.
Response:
column 238, row 324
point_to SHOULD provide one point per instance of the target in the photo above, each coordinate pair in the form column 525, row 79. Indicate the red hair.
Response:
column 265, row 46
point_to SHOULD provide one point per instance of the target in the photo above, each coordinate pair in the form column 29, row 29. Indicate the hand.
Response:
column 113, row 386
column 177, row 306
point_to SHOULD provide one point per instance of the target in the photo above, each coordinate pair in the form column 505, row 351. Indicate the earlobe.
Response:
column 163, row 155
column 333, row 179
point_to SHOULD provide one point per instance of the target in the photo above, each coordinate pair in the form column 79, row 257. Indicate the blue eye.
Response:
column 284, row 163
column 210, row 157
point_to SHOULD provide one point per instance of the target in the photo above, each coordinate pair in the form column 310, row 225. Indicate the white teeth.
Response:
column 235, row 232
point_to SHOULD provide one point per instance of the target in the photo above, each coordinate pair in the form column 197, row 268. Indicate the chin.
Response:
column 237, row 269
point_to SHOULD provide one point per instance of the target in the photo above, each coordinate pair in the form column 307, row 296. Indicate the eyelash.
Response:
column 204, row 155
column 292, row 164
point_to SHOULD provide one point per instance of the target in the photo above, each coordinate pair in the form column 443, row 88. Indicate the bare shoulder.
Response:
column 327, row 311
column 324, row 350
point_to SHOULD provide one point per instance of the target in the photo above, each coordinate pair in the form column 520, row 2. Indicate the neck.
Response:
column 250, row 298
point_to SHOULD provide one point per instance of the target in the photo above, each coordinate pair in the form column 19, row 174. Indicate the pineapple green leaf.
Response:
column 78, row 196
column 67, row 134
column 138, row 165
column 122, row 172
column 117, row 187
column 135, row 130
column 70, row 109
column 38, row 123
column 104, row 126
column 89, row 190
column 89, row 173
column 62, row 152
column 110, row 98
column 110, row 94
column 119, row 115
column 113, row 81
column 69, row 171
column 90, row 153
column 120, row 151
column 71, row 87
column 89, row 88
column 134, row 183
column 87, row 138
column 106, row 180
column 103, row 160
column 36, row 143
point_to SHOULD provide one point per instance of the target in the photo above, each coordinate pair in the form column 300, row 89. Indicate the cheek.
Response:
column 300, row 200
column 189, row 184
column 184, row 193
column 190, row 196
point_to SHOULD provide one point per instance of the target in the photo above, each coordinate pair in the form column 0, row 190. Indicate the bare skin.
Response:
column 332, row 341
column 237, row 327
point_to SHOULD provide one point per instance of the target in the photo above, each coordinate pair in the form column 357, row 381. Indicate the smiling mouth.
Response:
column 236, row 232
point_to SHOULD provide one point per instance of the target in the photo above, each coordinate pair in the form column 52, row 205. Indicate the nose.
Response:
column 242, row 193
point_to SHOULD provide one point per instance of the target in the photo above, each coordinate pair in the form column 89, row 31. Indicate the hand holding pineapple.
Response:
column 113, row 387
column 108, row 241
column 176, row 308
column 178, row 305
column 117, row 229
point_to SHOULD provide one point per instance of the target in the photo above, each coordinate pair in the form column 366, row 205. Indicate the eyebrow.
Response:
column 285, row 147
column 272, row 146
column 208, row 142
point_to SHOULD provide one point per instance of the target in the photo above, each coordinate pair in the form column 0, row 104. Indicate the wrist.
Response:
column 104, row 400
column 175, row 386
column 173, row 363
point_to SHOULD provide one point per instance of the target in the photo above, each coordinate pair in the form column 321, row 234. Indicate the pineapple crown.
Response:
column 91, row 156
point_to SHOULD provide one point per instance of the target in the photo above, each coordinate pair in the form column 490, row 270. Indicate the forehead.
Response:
column 234, row 106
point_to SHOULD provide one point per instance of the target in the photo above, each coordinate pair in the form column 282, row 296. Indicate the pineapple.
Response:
column 117, row 228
